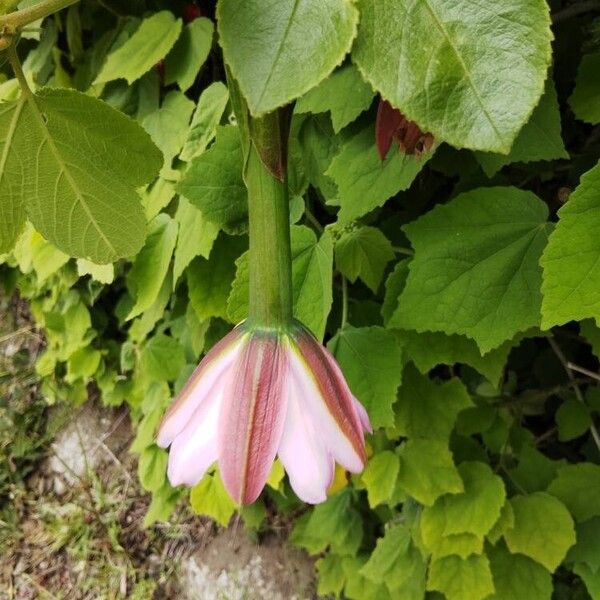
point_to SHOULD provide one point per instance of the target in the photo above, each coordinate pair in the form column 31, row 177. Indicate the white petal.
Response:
column 305, row 458
column 195, row 449
column 314, row 407
column 210, row 371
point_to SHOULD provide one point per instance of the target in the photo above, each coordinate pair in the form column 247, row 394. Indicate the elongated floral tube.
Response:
column 262, row 393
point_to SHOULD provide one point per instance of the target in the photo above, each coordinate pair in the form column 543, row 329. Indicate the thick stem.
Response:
column 20, row 18
column 270, row 264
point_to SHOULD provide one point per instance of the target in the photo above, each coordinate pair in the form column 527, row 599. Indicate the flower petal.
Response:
column 253, row 415
column 303, row 453
column 199, row 386
column 195, row 448
column 324, row 376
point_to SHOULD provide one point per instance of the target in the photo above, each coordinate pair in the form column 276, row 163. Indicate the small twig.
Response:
column 575, row 9
column 583, row 371
column 14, row 334
column 565, row 363
column 405, row 251
column 14, row 20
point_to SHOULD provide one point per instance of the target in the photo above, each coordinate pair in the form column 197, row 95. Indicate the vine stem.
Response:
column 565, row 363
column 15, row 63
column 12, row 21
column 344, row 303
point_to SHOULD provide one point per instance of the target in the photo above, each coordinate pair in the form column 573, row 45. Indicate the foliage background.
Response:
column 457, row 289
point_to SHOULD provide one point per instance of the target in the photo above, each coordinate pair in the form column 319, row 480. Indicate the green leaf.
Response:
column 196, row 236
column 535, row 471
column 540, row 138
column 469, row 74
column 162, row 359
column 213, row 182
column 397, row 563
column 380, row 476
column 461, row 578
column 300, row 44
column 483, row 280
column 363, row 181
column 359, row 587
column 209, row 280
column 150, row 43
column 428, row 410
column 371, row 360
column 363, row 252
column 46, row 259
column 585, row 100
column 157, row 196
column 82, row 364
column 149, row 269
column 189, row 53
column 79, row 190
column 472, row 511
column 331, row 577
column 334, row 523
column 578, row 487
column 573, row 419
column 101, row 273
column 345, row 95
column 591, row 579
column 571, row 260
column 505, row 521
column 394, row 285
column 311, row 281
column 427, row 471
column 152, row 468
column 517, row 577
column 162, row 505
column 207, row 116
column 210, row 498
column 168, row 125
column 543, row 529
column 587, row 548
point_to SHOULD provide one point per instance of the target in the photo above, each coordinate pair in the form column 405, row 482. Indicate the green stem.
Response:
column 270, row 261
column 344, row 303
column 14, row 20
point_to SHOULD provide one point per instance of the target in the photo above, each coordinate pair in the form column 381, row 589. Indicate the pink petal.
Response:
column 199, row 386
column 329, row 429
column 303, row 453
column 363, row 416
column 330, row 385
column 195, row 448
column 253, row 415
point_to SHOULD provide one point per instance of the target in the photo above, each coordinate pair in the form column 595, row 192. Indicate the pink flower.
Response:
column 257, row 394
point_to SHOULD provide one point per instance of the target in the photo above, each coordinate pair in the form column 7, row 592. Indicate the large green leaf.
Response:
column 380, row 476
column 151, row 42
column 371, row 360
column 578, row 487
column 585, row 100
column 468, row 72
column 461, row 578
column 571, row 260
column 210, row 498
column 300, row 43
column 74, row 163
column 475, row 270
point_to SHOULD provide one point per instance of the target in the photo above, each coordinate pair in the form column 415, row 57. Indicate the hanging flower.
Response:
column 258, row 394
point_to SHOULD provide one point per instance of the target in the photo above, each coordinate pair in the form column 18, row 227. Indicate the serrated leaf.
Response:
column 587, row 548
column 101, row 273
column 210, row 280
column 427, row 471
column 363, row 252
column 331, row 576
column 189, row 53
column 380, row 476
column 162, row 505
column 311, row 281
column 300, row 44
column 359, row 587
column 543, row 529
column 151, row 42
column 394, row 285
column 213, row 182
column 469, row 73
column 535, row 471
column 540, row 138
column 371, row 360
column 195, row 238
column 152, row 468
column 79, row 191
column 571, row 260
column 483, row 280
column 505, row 521
column 578, row 487
column 207, row 116
column 344, row 95
column 428, row 410
column 210, row 498
column 517, row 577
column 473, row 511
column 461, row 578
column 162, row 359
column 585, row 100
column 46, row 259
column 149, row 269
column 397, row 563
column 365, row 182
